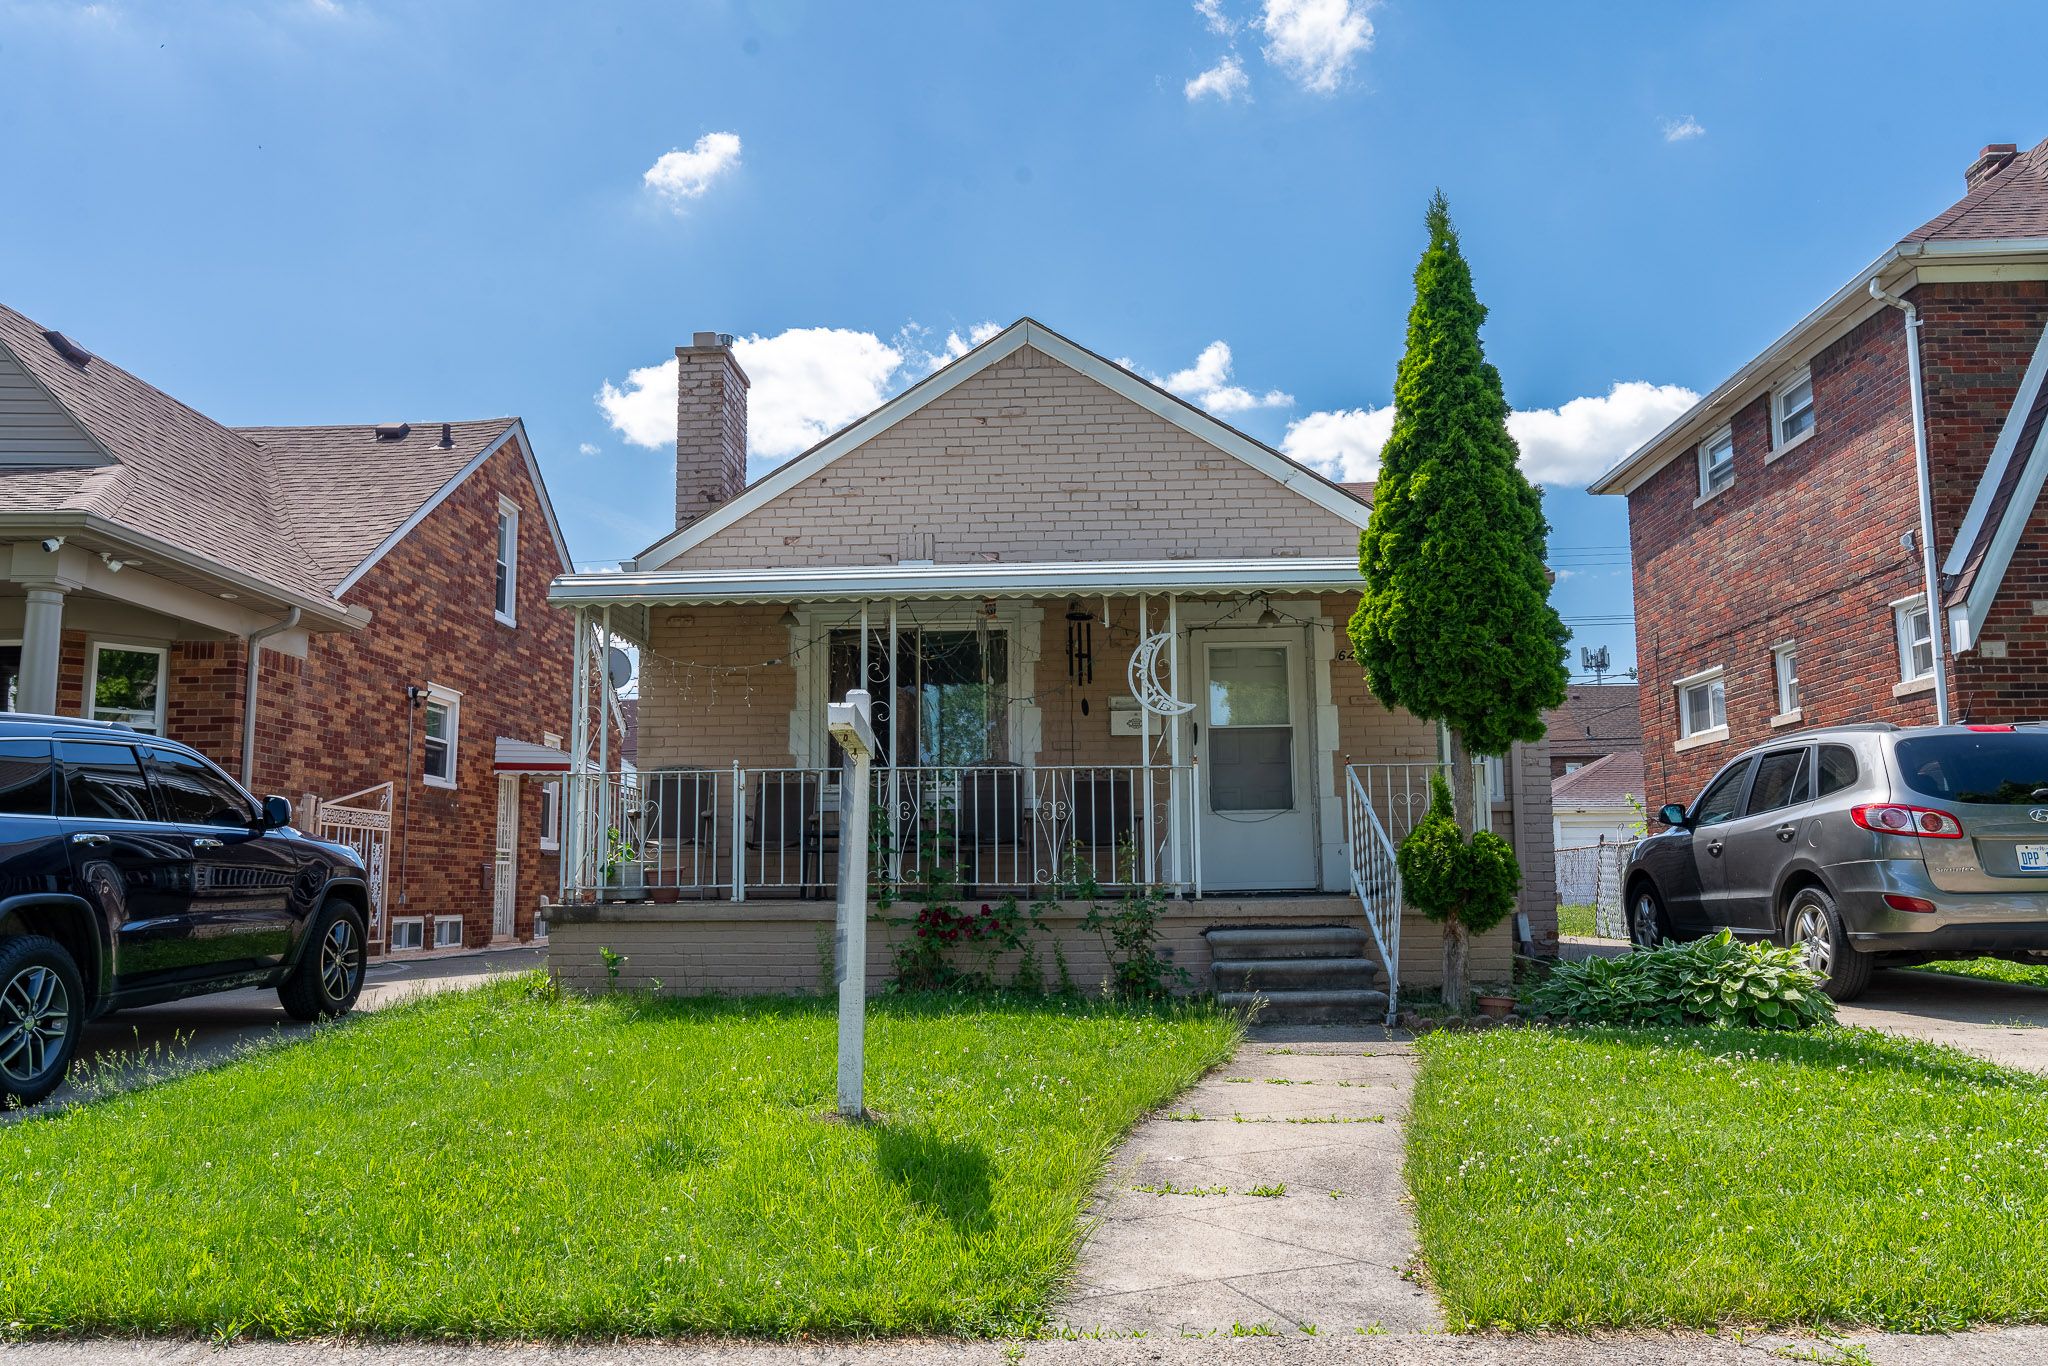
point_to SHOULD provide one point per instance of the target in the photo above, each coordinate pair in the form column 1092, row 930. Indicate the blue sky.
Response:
column 358, row 209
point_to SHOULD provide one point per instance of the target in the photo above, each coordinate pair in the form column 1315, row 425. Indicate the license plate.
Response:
column 2033, row 857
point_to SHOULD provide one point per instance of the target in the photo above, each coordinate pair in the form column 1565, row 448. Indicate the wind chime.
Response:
column 1080, row 644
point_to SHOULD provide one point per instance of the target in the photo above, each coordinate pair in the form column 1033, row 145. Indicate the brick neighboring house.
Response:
column 996, row 554
column 1776, row 531
column 1596, row 720
column 392, row 578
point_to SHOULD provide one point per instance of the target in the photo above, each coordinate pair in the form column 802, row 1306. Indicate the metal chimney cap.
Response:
column 721, row 340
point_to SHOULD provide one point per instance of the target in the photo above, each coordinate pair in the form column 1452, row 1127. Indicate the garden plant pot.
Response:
column 664, row 896
column 1497, row 1007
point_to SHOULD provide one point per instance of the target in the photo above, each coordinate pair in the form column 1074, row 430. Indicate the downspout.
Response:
column 1930, row 573
column 255, row 641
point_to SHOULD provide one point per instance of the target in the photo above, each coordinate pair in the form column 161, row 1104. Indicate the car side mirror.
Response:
column 1672, row 814
column 277, row 812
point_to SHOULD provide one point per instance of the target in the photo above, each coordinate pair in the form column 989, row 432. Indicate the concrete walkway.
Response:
column 2005, row 1023
column 1183, row 1243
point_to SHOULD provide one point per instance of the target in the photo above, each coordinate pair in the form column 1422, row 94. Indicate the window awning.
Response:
column 676, row 588
column 523, row 756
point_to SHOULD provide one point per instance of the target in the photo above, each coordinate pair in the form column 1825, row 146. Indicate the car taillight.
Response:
column 1918, row 905
column 2000, row 729
column 1907, row 820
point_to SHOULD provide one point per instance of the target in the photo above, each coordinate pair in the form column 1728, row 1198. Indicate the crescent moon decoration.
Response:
column 1153, row 695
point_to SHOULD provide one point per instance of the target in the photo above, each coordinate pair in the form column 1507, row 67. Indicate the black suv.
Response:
column 132, row 870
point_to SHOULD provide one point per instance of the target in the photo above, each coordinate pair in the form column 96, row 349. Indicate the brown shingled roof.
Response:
column 1608, row 781
column 297, row 508
column 2010, row 202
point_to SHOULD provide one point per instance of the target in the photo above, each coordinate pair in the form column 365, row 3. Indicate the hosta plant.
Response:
column 1719, row 981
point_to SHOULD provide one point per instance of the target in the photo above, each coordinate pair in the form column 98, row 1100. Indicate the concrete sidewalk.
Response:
column 1183, row 1245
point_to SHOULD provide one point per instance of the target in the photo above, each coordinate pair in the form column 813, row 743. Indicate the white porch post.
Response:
column 1146, row 866
column 42, row 640
column 1176, row 800
column 579, row 757
column 894, row 845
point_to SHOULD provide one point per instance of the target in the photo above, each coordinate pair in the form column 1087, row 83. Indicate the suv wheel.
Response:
column 329, row 976
column 1646, row 920
column 1814, row 926
column 42, row 1007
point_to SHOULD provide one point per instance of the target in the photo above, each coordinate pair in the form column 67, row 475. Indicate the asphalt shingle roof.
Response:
column 1609, row 780
column 2012, row 202
column 294, row 507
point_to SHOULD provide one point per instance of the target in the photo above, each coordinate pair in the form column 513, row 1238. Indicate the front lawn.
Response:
column 1995, row 970
column 501, row 1163
column 1581, row 1179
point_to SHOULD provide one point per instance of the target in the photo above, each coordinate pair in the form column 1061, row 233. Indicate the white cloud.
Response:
column 1315, row 41
column 1207, row 382
column 587, row 448
column 1215, row 19
column 1683, row 127
column 1566, row 446
column 1344, row 444
column 806, row 383
column 680, row 177
column 1224, row 81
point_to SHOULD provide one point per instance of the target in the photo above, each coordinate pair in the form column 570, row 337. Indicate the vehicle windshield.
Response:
column 1992, row 768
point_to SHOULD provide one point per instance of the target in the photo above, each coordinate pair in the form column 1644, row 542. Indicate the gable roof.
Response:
column 302, row 511
column 2001, row 221
column 1325, row 493
column 358, row 494
column 1596, row 717
column 1609, row 780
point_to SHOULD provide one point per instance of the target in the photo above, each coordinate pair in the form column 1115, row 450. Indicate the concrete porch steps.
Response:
column 1302, row 975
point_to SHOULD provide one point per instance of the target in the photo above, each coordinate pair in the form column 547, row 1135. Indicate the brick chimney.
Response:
column 711, row 425
column 1989, row 163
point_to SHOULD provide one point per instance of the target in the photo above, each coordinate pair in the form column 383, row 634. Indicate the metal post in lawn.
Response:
column 852, row 725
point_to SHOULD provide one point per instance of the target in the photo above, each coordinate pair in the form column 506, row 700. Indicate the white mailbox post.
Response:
column 852, row 726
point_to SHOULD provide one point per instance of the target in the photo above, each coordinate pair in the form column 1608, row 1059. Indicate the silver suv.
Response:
column 1866, row 845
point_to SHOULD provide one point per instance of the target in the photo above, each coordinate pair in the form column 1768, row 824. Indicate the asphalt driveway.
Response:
column 161, row 1040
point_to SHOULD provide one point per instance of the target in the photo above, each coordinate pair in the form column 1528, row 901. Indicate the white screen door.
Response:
column 1258, row 822
column 505, row 880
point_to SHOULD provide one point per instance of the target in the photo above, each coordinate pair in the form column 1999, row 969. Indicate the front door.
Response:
column 1250, row 730
column 505, row 868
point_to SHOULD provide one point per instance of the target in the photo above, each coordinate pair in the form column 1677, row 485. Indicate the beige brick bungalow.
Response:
column 1096, row 623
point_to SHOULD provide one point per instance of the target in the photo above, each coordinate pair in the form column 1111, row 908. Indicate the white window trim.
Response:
column 1779, row 445
column 163, row 678
column 441, row 921
column 1902, row 613
column 1711, row 734
column 551, row 817
column 452, row 700
column 1779, row 653
column 508, row 512
column 418, row 922
column 1700, row 464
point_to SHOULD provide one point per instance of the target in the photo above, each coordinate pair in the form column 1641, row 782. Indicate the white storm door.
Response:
column 505, row 879
column 1256, row 803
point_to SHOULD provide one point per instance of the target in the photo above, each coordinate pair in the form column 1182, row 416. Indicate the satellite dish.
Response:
column 618, row 666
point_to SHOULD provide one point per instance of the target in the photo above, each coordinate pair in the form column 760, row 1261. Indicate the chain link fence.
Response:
column 1591, row 876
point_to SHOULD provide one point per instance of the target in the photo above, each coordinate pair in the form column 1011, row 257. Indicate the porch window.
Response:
column 126, row 684
column 952, row 692
column 1251, row 734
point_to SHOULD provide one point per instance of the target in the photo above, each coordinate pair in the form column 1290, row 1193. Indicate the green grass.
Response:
column 498, row 1163
column 1577, row 921
column 1995, row 970
column 1590, row 1179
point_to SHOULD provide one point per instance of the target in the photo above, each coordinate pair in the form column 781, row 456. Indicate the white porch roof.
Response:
column 860, row 583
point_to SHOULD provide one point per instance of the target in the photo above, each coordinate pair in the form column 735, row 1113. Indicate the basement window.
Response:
column 408, row 933
column 447, row 931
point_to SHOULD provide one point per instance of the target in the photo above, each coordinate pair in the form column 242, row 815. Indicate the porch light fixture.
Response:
column 1269, row 617
column 113, row 565
column 788, row 619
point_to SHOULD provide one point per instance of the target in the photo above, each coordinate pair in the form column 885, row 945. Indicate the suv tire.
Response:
column 329, row 976
column 1812, row 923
column 42, row 1008
column 1646, row 927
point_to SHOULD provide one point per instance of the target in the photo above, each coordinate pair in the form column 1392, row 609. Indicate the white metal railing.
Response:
column 1399, row 793
column 984, row 829
column 1375, row 877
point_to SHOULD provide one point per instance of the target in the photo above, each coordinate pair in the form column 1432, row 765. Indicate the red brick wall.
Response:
column 335, row 722
column 1807, row 547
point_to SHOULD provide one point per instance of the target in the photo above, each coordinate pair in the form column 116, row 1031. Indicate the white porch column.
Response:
column 42, row 640
column 1177, row 752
